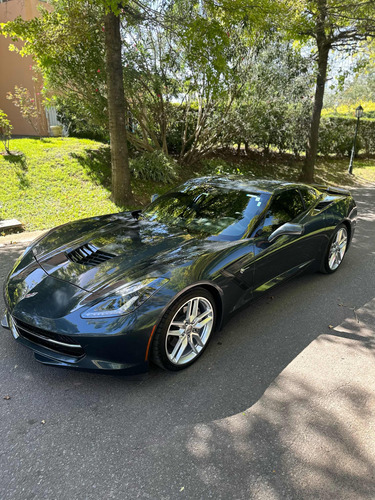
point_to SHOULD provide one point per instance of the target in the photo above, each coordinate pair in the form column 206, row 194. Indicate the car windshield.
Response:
column 227, row 214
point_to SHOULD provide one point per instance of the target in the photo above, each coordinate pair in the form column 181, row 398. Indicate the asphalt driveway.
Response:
column 281, row 406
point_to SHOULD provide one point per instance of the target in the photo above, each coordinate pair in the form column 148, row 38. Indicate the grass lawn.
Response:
column 365, row 169
column 57, row 180
column 47, row 186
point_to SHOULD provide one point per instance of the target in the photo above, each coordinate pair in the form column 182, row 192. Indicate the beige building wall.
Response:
column 17, row 70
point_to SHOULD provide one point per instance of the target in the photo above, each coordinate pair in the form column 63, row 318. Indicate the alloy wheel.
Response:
column 189, row 330
column 337, row 249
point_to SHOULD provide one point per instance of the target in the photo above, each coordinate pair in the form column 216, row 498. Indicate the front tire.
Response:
column 185, row 330
column 336, row 250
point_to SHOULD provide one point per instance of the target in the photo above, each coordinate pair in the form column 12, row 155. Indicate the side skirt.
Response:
column 282, row 277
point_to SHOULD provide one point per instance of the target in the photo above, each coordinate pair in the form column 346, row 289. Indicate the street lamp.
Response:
column 358, row 114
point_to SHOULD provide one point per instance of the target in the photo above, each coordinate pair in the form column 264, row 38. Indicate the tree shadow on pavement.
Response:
column 289, row 445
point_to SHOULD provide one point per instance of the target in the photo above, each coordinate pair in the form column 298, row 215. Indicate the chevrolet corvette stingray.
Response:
column 118, row 291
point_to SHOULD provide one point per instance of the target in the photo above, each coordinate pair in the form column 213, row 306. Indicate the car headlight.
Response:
column 125, row 299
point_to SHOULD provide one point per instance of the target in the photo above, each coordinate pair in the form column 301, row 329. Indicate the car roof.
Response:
column 240, row 183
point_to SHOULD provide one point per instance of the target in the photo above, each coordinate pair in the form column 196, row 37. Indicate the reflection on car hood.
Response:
column 137, row 248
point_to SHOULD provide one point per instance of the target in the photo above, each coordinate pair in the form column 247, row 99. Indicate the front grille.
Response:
column 88, row 255
column 54, row 341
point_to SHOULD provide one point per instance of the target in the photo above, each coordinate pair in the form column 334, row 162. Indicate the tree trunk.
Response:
column 121, row 188
column 323, row 52
column 163, row 127
column 312, row 145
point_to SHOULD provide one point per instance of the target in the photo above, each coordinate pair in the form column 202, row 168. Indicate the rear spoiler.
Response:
column 332, row 189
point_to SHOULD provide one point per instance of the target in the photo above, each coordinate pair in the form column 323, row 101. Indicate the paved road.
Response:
column 280, row 407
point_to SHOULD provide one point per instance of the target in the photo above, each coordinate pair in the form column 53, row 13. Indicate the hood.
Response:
column 125, row 249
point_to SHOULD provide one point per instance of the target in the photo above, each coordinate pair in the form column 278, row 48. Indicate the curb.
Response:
column 26, row 237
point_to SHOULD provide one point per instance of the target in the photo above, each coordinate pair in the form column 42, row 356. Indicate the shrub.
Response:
column 154, row 166
column 289, row 131
column 219, row 166
column 336, row 135
column 80, row 125
column 5, row 130
column 176, row 127
column 27, row 105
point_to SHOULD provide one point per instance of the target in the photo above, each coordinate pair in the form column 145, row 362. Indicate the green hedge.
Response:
column 337, row 133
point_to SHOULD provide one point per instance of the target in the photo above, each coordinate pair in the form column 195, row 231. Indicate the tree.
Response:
column 332, row 25
column 184, row 64
column 274, row 103
column 182, row 76
column 70, row 46
column 121, row 188
column 361, row 87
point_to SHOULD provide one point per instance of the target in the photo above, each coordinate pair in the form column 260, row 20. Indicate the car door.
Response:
column 273, row 262
column 314, row 223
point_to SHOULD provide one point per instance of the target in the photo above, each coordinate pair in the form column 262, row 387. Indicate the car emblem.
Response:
column 29, row 295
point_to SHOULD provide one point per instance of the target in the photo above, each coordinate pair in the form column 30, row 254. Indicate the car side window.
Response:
column 285, row 207
column 309, row 196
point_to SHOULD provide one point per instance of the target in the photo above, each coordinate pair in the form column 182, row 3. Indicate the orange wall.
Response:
column 16, row 70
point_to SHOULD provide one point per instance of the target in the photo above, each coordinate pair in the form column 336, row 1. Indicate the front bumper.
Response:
column 97, row 352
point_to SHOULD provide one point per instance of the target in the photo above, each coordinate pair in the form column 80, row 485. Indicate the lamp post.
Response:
column 358, row 114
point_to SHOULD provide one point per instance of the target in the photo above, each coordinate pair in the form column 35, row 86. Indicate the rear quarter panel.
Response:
column 342, row 210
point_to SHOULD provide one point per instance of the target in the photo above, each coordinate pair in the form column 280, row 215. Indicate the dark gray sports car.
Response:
column 116, row 291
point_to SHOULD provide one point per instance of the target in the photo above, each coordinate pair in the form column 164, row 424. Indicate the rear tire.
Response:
column 185, row 330
column 336, row 250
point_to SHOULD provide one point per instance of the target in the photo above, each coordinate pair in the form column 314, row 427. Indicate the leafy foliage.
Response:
column 27, row 105
column 220, row 166
column 67, row 44
column 198, row 75
column 185, row 77
column 185, row 63
column 5, row 130
column 337, row 133
column 69, row 115
column 348, row 110
column 328, row 24
column 154, row 166
column 274, row 105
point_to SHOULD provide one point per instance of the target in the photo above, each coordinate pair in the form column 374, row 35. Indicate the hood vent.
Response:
column 88, row 255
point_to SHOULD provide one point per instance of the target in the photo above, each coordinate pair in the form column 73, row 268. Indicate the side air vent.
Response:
column 88, row 255
column 322, row 204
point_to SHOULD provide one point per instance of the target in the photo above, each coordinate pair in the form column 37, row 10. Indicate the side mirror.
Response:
column 153, row 197
column 291, row 229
